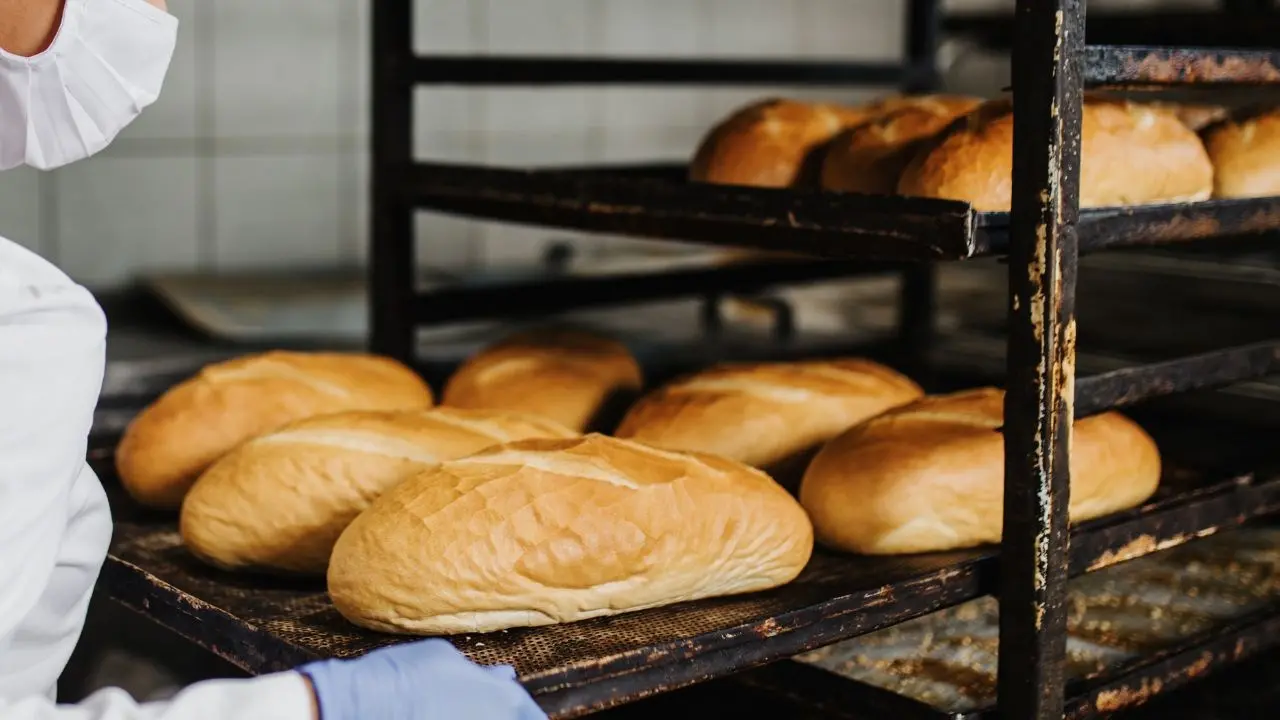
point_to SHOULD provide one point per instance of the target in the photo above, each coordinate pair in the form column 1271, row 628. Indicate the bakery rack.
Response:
column 1219, row 477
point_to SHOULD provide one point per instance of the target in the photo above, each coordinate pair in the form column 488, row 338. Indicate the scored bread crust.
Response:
column 1130, row 154
column 1242, row 150
column 569, row 376
column 186, row 429
column 550, row 531
column 280, row 501
column 767, row 415
column 929, row 476
column 870, row 157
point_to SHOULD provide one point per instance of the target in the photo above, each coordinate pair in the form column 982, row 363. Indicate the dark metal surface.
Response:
column 1188, row 28
column 392, row 256
column 1137, row 65
column 539, row 70
column 1119, row 388
column 1038, row 414
column 262, row 624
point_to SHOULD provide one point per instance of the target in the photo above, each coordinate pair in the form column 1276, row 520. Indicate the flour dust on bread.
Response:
column 552, row 531
column 279, row 502
column 572, row 377
column 174, row 439
column 929, row 476
column 771, row 416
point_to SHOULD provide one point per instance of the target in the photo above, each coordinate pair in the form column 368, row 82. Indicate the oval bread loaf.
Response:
column 930, row 476
column 768, row 415
column 1130, row 154
column 551, row 531
column 1243, row 151
column 574, row 378
column 196, row 422
column 869, row 158
column 280, row 501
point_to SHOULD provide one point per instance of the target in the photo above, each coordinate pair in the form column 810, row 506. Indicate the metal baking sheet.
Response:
column 947, row 660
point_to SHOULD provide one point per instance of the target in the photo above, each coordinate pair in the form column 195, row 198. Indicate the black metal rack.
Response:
column 264, row 625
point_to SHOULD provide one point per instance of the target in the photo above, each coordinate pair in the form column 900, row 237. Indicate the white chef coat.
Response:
column 55, row 523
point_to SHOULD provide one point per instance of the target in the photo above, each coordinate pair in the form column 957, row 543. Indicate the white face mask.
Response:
column 105, row 65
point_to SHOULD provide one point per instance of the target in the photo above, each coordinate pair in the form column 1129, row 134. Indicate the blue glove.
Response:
column 427, row 680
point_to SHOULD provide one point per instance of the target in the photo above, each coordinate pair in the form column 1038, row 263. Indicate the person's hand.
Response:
column 427, row 680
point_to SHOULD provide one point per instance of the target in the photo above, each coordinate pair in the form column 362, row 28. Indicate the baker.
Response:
column 73, row 73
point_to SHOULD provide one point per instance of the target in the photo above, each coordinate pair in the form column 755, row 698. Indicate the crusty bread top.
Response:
column 545, row 531
column 765, row 413
column 197, row 421
column 929, row 475
column 1244, row 151
column 566, row 375
column 1131, row 154
column 870, row 157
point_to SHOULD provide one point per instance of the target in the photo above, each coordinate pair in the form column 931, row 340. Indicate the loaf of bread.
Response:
column 280, row 501
column 551, row 531
column 773, row 416
column 929, row 476
column 1244, row 151
column 869, row 158
column 201, row 419
column 1130, row 154
column 575, row 378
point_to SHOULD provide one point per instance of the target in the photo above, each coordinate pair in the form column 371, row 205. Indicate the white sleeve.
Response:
column 283, row 696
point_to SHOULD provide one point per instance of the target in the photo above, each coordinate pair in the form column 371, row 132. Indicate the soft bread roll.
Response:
column 771, row 143
column 571, row 377
column 1244, row 153
column 769, row 415
column 199, row 420
column 551, row 531
column 280, row 501
column 930, row 476
column 870, row 157
column 1131, row 154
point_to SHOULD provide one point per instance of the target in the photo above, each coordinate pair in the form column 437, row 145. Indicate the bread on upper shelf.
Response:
column 769, row 415
column 551, row 531
column 575, row 378
column 869, row 157
column 280, row 501
column 1243, row 150
column 186, row 429
column 1131, row 154
column 929, row 476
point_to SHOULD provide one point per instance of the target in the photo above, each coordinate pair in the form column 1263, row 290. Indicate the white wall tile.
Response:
column 864, row 29
column 749, row 28
column 448, row 26
column 174, row 114
column 276, row 67
column 119, row 216
column 277, row 212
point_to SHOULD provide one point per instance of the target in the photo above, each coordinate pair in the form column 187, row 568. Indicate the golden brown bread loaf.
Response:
column 279, row 502
column 930, row 476
column 771, row 143
column 571, row 377
column 199, row 420
column 869, row 158
column 1244, row 151
column 768, row 415
column 551, row 531
column 1131, row 154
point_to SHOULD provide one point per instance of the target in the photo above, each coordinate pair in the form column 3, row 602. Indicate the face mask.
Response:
column 105, row 65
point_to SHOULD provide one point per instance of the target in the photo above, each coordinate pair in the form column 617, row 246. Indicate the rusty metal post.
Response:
column 392, row 257
column 1047, row 97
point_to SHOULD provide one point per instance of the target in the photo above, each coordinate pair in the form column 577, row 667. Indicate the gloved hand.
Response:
column 427, row 680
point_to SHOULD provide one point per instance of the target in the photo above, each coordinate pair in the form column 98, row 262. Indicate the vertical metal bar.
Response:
column 392, row 259
column 918, row 293
column 1047, row 98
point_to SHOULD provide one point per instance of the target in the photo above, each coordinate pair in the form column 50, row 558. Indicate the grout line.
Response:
column 205, row 142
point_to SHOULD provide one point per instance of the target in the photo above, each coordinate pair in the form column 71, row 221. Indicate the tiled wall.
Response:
column 256, row 154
